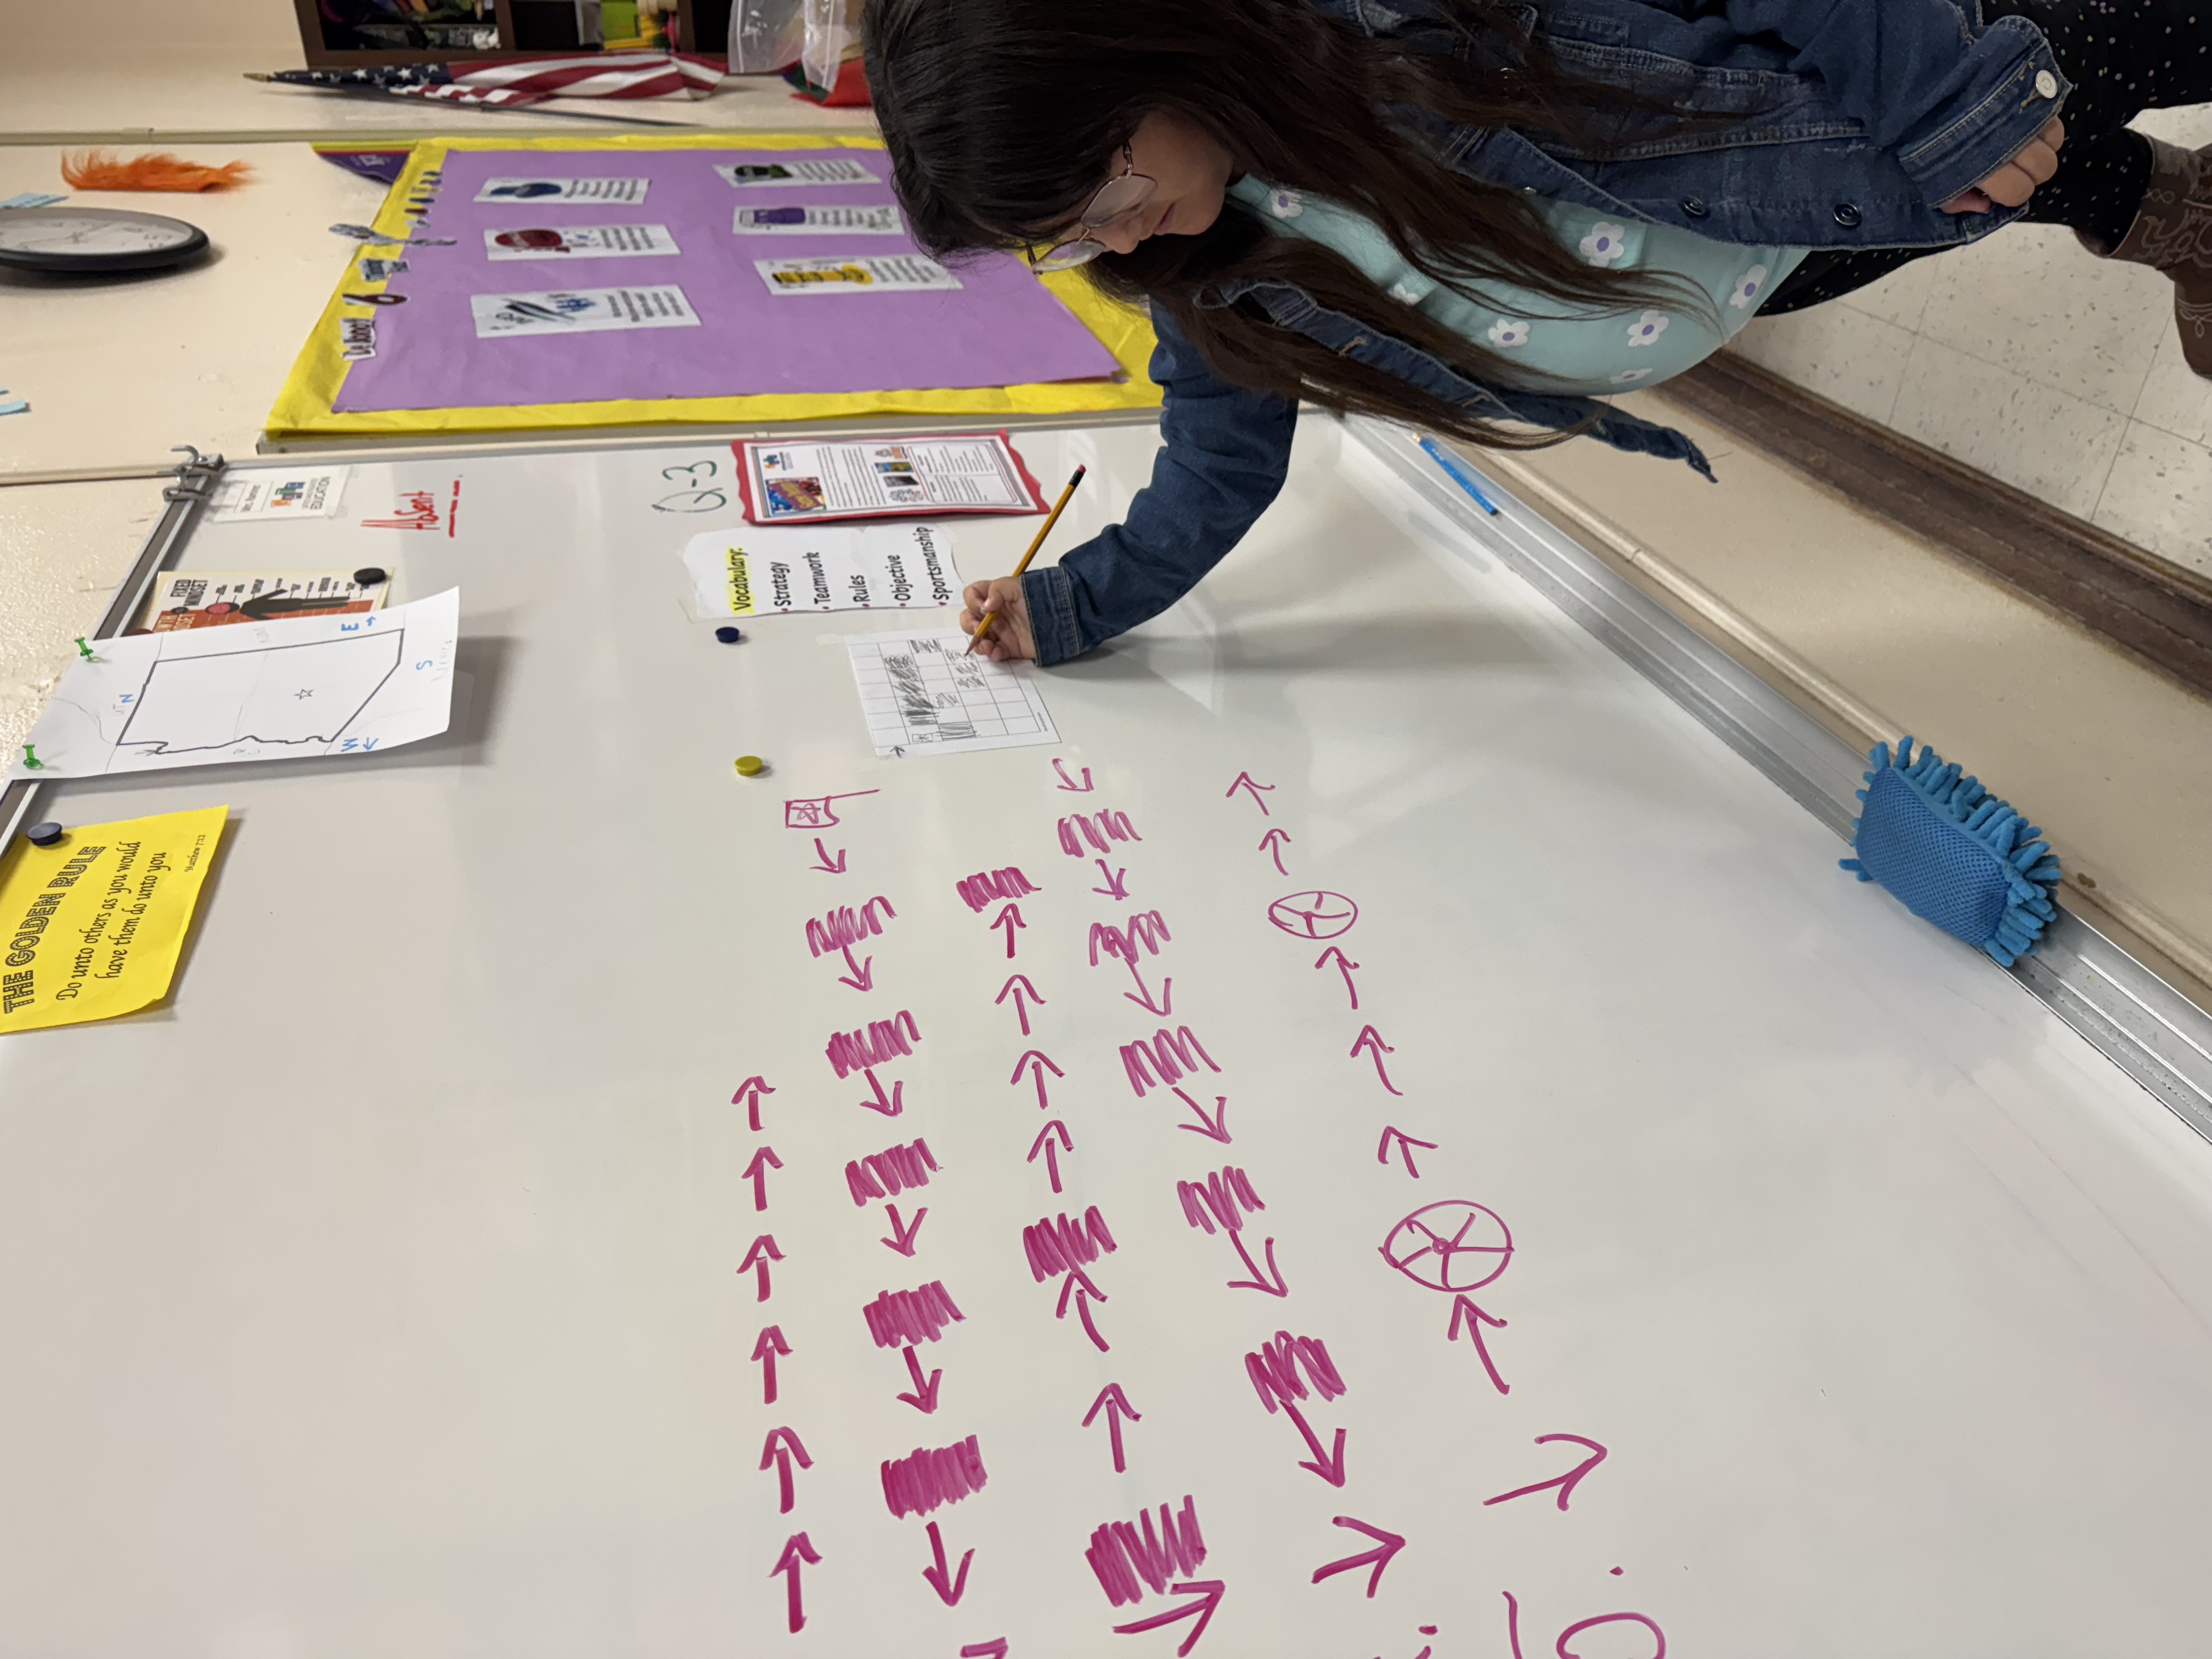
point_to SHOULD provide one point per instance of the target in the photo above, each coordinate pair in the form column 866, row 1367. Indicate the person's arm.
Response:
column 1223, row 459
column 1952, row 107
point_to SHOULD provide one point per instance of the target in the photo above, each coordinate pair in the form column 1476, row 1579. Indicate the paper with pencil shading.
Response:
column 564, row 189
column 96, row 922
column 582, row 311
column 922, row 694
column 311, row 686
column 752, row 571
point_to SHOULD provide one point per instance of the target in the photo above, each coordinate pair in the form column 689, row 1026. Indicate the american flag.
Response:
column 517, row 80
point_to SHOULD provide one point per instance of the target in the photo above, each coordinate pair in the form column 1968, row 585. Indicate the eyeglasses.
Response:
column 1126, row 193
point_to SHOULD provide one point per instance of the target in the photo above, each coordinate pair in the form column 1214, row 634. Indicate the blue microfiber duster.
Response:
column 1954, row 853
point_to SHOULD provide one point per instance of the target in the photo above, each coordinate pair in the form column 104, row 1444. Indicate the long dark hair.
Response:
column 1002, row 118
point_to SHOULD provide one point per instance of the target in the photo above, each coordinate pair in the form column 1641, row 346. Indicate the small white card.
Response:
column 838, row 170
column 582, row 311
column 580, row 242
column 896, row 273
column 881, row 221
column 924, row 695
column 753, row 571
column 305, row 492
column 563, row 190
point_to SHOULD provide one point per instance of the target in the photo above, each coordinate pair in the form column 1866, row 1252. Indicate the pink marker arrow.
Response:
column 824, row 863
column 1213, row 1128
column 1143, row 997
column 862, row 977
column 993, row 1649
column 1329, row 1465
column 795, row 1550
column 1344, row 965
column 1406, row 1144
column 1387, row 1545
column 902, row 1238
column 1244, row 783
column 1272, row 844
column 924, row 1397
column 1209, row 1592
column 762, row 1252
column 1271, row 1283
column 1371, row 1041
column 779, row 1449
column 748, row 1096
column 1017, row 986
column 756, row 1172
column 1068, row 783
column 1116, row 1406
column 889, row 1105
column 1009, row 918
column 1465, row 1313
column 1085, row 1293
column 1044, row 1143
column 949, row 1588
column 1036, row 1065
column 1115, row 887
column 766, row 1346
column 1567, row 1482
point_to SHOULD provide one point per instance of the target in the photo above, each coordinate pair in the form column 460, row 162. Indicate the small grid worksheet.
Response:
column 922, row 694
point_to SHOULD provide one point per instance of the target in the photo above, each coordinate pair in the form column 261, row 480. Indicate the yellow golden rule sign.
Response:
column 95, row 922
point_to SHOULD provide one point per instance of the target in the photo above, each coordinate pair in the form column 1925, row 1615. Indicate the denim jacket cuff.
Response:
column 1051, row 599
column 1983, row 138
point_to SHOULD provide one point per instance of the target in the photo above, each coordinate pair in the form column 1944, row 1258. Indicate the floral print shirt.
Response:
column 1561, row 347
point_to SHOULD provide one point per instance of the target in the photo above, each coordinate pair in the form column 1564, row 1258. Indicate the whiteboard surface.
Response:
column 381, row 1293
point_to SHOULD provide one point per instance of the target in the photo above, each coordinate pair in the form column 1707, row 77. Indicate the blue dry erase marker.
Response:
column 1459, row 475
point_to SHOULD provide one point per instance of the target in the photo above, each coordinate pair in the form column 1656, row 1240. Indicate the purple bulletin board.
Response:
column 1001, row 327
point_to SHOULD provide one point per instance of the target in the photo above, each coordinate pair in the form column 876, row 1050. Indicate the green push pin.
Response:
column 84, row 650
column 30, row 761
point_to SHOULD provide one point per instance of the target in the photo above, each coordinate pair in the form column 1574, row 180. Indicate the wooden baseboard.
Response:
column 2155, row 609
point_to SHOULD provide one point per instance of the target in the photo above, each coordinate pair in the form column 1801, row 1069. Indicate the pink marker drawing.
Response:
column 1036, row 1065
column 823, row 860
column 1452, row 1246
column 1209, row 1592
column 1164, row 1060
column 889, row 1173
column 1274, row 1374
column 1244, row 783
column 1213, row 1128
column 1371, row 1040
column 1272, row 844
column 1315, row 913
column 748, row 1096
column 926, row 1479
column 1344, row 966
column 819, row 811
column 795, row 1550
column 1404, row 1145
column 1060, row 1246
column 756, row 1172
column 761, row 1253
column 902, row 1238
column 1009, row 918
column 1116, row 888
column 949, row 1588
column 1226, row 1197
column 766, row 1346
column 1560, row 1647
column 979, row 892
column 1069, row 784
column 1017, row 986
column 1387, row 1545
column 1097, row 830
column 1140, row 937
column 1126, row 1558
column 1116, row 1406
column 1052, row 1149
column 844, row 927
column 1566, row 1483
column 1085, row 1293
column 906, row 1318
column 779, row 1451
column 863, row 1051
column 993, row 1649
column 1466, row 1314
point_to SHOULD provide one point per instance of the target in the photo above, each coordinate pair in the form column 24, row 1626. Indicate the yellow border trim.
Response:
column 303, row 408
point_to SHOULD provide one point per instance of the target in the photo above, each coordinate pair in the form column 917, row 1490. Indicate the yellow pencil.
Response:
column 1051, row 519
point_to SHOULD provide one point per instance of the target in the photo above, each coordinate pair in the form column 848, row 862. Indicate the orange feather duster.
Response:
column 100, row 169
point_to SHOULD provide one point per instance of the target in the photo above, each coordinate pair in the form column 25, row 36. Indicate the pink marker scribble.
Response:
column 927, row 1480
column 898, row 1318
column 1059, row 1245
column 1226, row 1197
column 993, row 1649
column 846, row 926
column 1125, row 1559
column 1097, row 830
column 884, row 1040
column 1275, row 1373
column 890, row 1172
column 818, row 812
column 1140, row 936
column 1164, row 1060
column 979, row 892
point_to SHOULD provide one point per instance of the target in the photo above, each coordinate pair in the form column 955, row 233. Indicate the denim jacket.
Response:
column 1855, row 118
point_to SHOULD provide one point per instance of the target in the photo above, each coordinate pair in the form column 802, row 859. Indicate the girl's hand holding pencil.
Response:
column 1009, row 640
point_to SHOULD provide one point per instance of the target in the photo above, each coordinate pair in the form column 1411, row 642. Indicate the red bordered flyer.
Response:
column 806, row 482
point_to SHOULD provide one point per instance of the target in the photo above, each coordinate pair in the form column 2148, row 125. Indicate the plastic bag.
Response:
column 767, row 36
